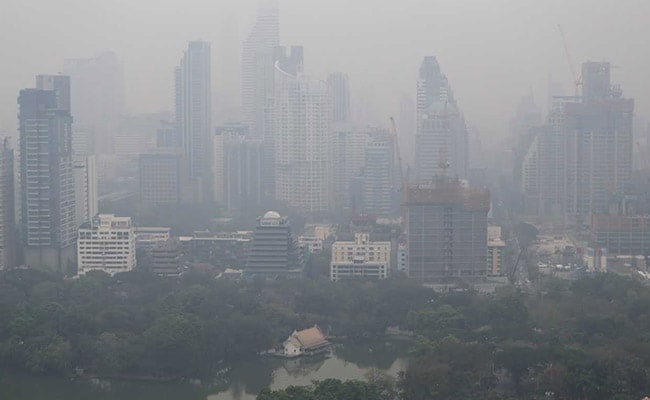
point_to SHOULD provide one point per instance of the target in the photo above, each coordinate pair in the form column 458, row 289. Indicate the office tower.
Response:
column 446, row 226
column 257, row 69
column 360, row 258
column 106, row 243
column 347, row 149
column 160, row 178
column 7, row 214
column 379, row 178
column 193, row 115
column 97, row 96
column 339, row 88
column 241, row 161
column 441, row 137
column 274, row 251
column 46, row 176
column 301, row 125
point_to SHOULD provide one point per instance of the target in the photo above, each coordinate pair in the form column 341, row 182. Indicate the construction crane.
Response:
column 402, row 178
column 577, row 79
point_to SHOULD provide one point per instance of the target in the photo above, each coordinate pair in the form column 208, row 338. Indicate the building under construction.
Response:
column 446, row 225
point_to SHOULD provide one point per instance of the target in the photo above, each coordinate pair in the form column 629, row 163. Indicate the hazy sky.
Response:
column 493, row 51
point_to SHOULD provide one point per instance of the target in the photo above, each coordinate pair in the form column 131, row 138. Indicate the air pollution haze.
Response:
column 493, row 52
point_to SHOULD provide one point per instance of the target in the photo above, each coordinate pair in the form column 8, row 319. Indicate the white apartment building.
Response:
column 360, row 258
column 301, row 133
column 106, row 244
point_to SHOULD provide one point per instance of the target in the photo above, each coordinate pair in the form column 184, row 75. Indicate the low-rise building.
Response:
column 148, row 237
column 310, row 244
column 165, row 258
column 274, row 250
column 306, row 342
column 106, row 244
column 360, row 258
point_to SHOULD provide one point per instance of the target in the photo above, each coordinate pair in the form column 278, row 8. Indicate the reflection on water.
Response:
column 243, row 382
column 351, row 361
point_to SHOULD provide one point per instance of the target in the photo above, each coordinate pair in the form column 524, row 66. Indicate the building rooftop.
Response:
column 311, row 337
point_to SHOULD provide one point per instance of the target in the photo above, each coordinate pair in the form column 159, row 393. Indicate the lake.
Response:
column 242, row 382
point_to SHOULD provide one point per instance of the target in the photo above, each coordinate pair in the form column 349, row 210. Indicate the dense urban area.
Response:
column 167, row 248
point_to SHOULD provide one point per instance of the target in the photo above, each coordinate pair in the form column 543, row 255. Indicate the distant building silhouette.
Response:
column 194, row 115
column 441, row 142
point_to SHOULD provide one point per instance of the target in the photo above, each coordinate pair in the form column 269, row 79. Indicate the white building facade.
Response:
column 301, row 130
column 360, row 258
column 106, row 244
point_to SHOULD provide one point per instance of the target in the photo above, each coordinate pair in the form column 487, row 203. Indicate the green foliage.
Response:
column 582, row 340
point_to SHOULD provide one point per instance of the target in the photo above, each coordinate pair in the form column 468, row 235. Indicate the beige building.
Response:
column 496, row 247
column 360, row 258
column 106, row 244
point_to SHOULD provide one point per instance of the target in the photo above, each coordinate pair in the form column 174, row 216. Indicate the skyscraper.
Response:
column 46, row 174
column 241, row 158
column 580, row 162
column 339, row 88
column 97, row 96
column 193, row 115
column 378, row 174
column 599, row 143
column 347, row 149
column 257, row 69
column 301, row 124
column 290, row 60
column 441, row 138
column 7, row 214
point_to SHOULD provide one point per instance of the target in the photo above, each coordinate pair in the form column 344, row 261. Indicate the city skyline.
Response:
column 518, row 68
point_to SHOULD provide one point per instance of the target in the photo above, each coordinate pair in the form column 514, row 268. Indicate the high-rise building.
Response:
column 7, row 215
column 240, row 157
column 194, row 115
column 339, row 89
column 441, row 142
column 347, row 159
column 257, row 69
column 85, row 183
column 290, row 61
column 360, row 258
column 274, row 251
column 446, row 226
column 580, row 162
column 599, row 144
column 301, row 124
column 97, row 96
column 378, row 175
column 48, row 220
column 85, row 176
column 106, row 243
column 160, row 178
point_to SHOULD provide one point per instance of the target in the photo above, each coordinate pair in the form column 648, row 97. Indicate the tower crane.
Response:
column 403, row 180
column 577, row 79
